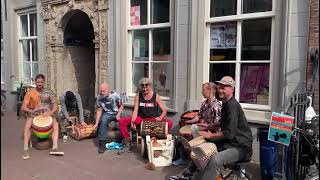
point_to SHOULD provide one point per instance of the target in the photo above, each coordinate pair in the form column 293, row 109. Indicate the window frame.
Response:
column 238, row 18
column 27, row 80
column 149, row 27
column 3, row 61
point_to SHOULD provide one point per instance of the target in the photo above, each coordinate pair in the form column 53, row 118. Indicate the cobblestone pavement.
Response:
column 80, row 162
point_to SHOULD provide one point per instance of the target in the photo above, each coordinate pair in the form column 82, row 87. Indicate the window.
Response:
column 28, row 46
column 151, row 40
column 241, row 46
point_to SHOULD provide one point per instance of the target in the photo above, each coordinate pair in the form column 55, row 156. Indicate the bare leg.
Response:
column 55, row 134
column 27, row 134
column 26, row 138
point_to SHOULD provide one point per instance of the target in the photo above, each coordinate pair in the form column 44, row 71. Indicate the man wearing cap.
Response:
column 235, row 131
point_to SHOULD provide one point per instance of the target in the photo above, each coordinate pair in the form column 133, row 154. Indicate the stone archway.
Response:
column 78, row 62
column 56, row 14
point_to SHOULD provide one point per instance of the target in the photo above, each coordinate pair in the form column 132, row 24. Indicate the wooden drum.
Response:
column 80, row 132
column 187, row 116
column 185, row 132
column 42, row 126
column 201, row 154
column 158, row 129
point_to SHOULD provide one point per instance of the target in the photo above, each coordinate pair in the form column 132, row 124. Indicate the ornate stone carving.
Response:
column 102, row 5
column 104, row 65
column 53, row 12
column 45, row 12
column 71, row 4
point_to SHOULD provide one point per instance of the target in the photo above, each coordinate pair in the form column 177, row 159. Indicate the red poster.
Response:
column 135, row 16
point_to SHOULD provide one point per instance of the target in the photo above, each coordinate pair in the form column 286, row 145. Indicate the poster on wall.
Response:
column 280, row 128
column 135, row 15
column 231, row 36
column 217, row 36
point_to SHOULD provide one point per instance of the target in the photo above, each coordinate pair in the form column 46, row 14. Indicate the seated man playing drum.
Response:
column 209, row 115
column 109, row 108
column 146, row 107
column 40, row 101
column 208, row 118
column 71, row 105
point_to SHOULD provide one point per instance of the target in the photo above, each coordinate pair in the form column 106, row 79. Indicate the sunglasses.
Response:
column 144, row 85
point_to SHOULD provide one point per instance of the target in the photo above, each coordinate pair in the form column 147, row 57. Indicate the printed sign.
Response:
column 280, row 129
column 217, row 36
column 135, row 15
column 223, row 36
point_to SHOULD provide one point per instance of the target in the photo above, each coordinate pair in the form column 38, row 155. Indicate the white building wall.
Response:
column 11, row 43
column 297, row 37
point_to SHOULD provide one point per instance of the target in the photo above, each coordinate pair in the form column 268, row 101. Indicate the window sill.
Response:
column 257, row 117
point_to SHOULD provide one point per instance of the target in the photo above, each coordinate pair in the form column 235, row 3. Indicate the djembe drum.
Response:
column 188, row 145
column 185, row 132
column 158, row 129
column 187, row 116
column 201, row 154
column 42, row 127
column 79, row 132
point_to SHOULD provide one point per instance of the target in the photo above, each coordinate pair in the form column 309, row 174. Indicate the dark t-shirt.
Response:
column 234, row 127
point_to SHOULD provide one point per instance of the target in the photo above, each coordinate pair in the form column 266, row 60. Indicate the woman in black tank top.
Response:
column 148, row 108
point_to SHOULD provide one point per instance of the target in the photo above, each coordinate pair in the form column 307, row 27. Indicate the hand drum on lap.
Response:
column 158, row 129
column 197, row 141
column 187, row 116
column 202, row 154
column 185, row 131
column 188, row 145
column 42, row 126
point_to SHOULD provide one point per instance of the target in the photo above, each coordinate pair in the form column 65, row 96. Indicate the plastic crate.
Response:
column 165, row 150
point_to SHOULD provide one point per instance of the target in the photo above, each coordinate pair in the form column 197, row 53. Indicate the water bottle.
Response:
column 243, row 172
column 65, row 138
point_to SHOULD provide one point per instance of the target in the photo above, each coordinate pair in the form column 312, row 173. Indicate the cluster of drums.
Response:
column 42, row 128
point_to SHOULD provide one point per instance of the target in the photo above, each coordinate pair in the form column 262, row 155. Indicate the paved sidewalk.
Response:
column 81, row 160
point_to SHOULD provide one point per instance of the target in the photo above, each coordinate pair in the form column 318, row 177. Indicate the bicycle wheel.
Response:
column 3, row 100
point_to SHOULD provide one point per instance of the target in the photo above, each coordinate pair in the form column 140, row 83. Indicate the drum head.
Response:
column 42, row 121
column 189, row 114
column 185, row 130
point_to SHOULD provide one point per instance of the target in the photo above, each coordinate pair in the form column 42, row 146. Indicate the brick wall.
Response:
column 313, row 43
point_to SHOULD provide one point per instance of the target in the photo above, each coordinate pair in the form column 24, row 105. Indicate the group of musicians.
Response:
column 225, row 122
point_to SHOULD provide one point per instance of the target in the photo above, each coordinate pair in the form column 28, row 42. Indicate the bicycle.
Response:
column 21, row 92
column 3, row 101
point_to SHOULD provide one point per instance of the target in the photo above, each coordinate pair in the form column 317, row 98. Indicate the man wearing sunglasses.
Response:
column 146, row 107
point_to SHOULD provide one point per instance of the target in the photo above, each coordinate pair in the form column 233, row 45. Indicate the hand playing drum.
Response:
column 44, row 111
column 186, row 116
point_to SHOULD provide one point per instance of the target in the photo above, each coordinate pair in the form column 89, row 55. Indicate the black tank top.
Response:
column 148, row 108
